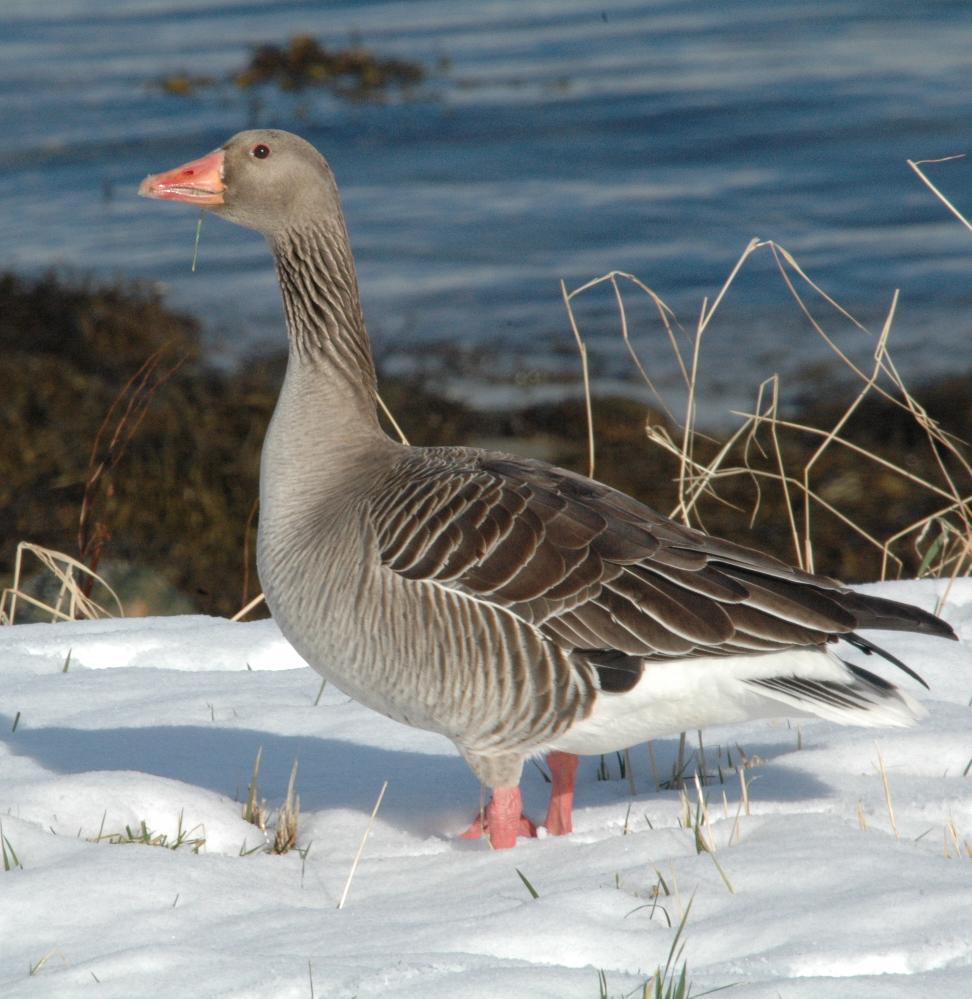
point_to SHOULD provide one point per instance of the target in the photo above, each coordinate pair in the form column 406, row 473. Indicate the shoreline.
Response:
column 175, row 501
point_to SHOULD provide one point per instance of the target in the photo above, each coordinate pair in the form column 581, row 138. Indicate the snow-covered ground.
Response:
column 160, row 720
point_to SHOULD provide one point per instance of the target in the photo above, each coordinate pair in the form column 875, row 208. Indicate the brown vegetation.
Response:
column 176, row 495
column 177, row 501
column 304, row 62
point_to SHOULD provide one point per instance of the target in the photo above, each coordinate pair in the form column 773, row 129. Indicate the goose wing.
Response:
column 597, row 571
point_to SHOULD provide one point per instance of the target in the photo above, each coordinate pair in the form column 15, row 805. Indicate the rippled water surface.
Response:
column 555, row 139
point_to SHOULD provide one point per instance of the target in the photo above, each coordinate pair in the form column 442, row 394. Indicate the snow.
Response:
column 160, row 720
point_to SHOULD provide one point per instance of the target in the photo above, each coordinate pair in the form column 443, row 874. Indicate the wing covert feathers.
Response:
column 601, row 574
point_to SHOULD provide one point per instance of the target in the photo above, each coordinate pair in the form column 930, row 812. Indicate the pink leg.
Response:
column 504, row 820
column 563, row 770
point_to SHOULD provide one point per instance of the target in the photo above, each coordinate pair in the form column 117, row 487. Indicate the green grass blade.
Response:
column 529, row 887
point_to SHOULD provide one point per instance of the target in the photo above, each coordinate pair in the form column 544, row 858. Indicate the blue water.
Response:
column 564, row 139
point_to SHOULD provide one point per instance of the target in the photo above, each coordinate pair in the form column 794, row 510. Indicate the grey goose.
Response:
column 514, row 607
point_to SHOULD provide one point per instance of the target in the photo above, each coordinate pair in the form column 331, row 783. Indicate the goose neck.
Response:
column 326, row 327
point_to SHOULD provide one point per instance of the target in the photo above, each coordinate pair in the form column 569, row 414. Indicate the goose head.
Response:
column 264, row 179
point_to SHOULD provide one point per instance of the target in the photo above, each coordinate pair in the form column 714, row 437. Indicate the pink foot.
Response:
column 504, row 820
column 563, row 771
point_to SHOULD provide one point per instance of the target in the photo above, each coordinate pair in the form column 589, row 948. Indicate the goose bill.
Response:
column 199, row 182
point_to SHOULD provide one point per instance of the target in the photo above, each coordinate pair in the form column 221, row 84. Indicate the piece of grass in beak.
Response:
column 195, row 246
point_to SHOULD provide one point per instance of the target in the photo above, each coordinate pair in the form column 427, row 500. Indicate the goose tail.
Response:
column 862, row 698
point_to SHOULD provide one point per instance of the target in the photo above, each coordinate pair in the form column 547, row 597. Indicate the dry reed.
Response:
column 942, row 537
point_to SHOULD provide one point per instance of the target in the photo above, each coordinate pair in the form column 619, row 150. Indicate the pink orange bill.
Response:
column 198, row 183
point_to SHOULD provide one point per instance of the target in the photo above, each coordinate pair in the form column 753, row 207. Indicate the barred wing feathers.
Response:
column 597, row 572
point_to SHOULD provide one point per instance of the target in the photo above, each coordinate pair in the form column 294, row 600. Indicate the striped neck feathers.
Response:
column 320, row 296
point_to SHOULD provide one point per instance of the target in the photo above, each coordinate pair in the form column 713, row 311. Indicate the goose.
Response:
column 516, row 608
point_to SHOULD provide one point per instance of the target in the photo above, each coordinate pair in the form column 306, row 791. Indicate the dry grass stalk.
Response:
column 678, row 767
column 736, row 833
column 916, row 166
column 653, row 763
column 702, row 767
column 285, row 831
column 248, row 533
column 255, row 809
column 947, row 530
column 963, row 847
column 629, row 773
column 887, row 791
column 256, row 812
column 744, row 789
column 243, row 611
column 364, row 839
column 391, row 419
column 582, row 350
column 78, row 577
column 123, row 419
column 73, row 600
column 703, row 806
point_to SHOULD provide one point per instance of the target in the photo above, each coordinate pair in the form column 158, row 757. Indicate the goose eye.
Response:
column 261, row 152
